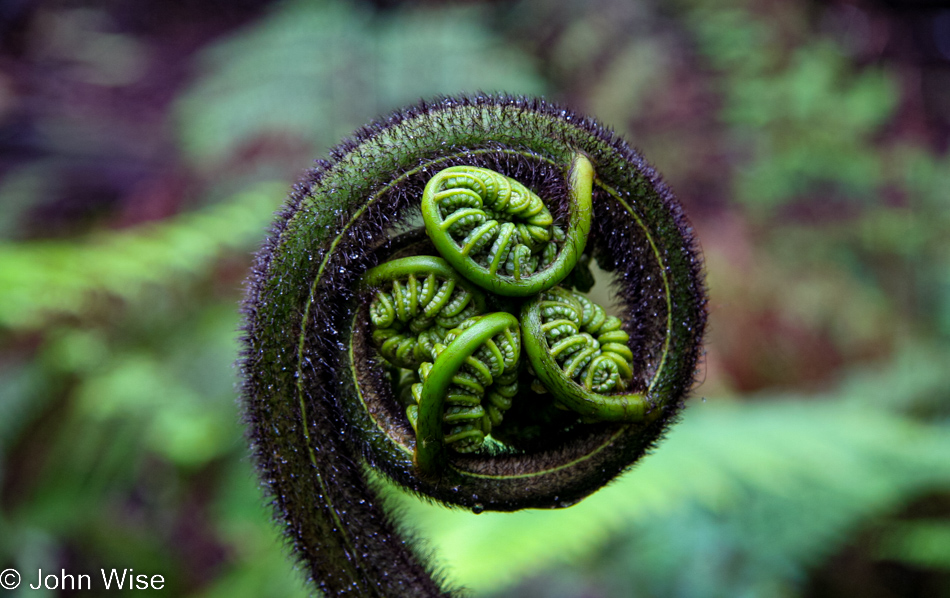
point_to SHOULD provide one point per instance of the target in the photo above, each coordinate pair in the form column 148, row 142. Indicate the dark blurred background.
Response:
column 145, row 144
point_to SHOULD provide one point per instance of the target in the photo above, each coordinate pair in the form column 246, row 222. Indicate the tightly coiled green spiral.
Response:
column 570, row 321
column 421, row 299
column 421, row 308
column 466, row 389
column 322, row 402
column 499, row 234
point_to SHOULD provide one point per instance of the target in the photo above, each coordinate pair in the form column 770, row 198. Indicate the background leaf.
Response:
column 146, row 148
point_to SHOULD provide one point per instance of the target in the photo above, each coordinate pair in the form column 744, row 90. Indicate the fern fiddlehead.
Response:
column 499, row 234
column 481, row 354
column 322, row 399
column 574, row 365
column 424, row 312
column 422, row 300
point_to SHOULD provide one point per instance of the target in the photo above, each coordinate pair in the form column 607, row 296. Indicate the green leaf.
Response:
column 39, row 279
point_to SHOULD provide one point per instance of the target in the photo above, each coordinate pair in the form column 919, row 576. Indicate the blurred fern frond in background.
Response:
column 147, row 145
column 49, row 277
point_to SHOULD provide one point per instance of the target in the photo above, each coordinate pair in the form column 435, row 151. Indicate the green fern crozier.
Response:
column 321, row 404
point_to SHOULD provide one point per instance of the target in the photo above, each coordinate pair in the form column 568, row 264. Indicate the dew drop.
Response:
column 478, row 508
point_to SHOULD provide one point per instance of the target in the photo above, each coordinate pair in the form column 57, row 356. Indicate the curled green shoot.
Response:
column 584, row 373
column 430, row 455
column 499, row 234
column 417, row 300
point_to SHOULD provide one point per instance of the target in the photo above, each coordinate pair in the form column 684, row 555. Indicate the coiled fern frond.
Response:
column 419, row 300
column 478, row 363
column 343, row 336
column 499, row 234
column 570, row 321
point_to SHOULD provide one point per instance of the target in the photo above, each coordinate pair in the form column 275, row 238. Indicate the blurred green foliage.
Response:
column 825, row 227
column 745, row 496
column 332, row 66
column 50, row 277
